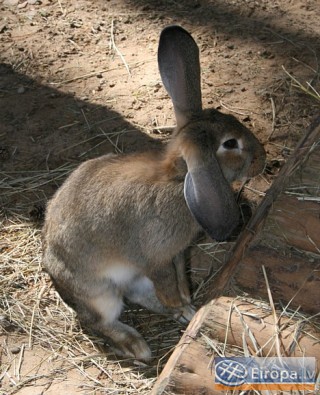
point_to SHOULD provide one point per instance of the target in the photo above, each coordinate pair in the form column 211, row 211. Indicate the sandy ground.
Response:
column 79, row 79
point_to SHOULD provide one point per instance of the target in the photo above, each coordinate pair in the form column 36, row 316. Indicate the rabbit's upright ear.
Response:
column 210, row 199
column 178, row 59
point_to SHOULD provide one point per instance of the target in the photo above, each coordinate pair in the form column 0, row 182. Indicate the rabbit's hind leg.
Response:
column 102, row 313
column 142, row 292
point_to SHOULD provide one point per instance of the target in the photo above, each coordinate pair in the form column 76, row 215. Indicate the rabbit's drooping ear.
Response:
column 178, row 59
column 210, row 199
column 207, row 193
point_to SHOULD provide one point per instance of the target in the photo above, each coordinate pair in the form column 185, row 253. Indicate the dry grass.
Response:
column 36, row 324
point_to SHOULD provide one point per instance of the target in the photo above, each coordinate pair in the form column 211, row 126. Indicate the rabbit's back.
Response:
column 118, row 209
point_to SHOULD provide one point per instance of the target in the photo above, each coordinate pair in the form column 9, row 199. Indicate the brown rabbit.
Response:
column 119, row 225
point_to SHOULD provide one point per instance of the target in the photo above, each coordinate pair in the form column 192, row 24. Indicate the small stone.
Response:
column 126, row 19
column 76, row 24
column 21, row 89
column 44, row 13
column 30, row 15
column 156, row 88
column 15, row 350
column 23, row 5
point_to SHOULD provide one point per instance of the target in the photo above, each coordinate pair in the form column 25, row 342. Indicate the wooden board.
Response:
column 293, row 279
column 284, row 237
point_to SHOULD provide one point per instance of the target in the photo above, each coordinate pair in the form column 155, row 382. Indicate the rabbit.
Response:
column 118, row 227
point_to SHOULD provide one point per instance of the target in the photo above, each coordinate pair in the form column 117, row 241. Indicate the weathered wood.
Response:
column 192, row 375
column 234, row 321
column 167, row 378
column 237, row 321
column 294, row 223
column 292, row 278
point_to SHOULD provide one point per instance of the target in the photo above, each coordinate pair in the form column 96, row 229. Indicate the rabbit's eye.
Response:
column 231, row 144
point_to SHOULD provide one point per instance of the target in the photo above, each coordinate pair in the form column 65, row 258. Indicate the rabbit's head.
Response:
column 216, row 147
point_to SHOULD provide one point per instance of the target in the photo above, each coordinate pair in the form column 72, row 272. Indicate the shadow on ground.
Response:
column 45, row 133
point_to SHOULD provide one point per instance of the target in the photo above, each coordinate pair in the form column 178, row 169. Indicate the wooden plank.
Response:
column 237, row 321
column 192, row 375
column 292, row 222
column 293, row 279
column 167, row 379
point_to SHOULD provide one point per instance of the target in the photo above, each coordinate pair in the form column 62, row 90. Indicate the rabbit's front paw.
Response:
column 185, row 314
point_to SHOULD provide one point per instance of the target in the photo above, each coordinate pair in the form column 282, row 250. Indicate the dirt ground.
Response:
column 79, row 79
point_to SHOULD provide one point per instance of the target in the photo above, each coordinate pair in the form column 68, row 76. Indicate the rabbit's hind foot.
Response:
column 125, row 341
